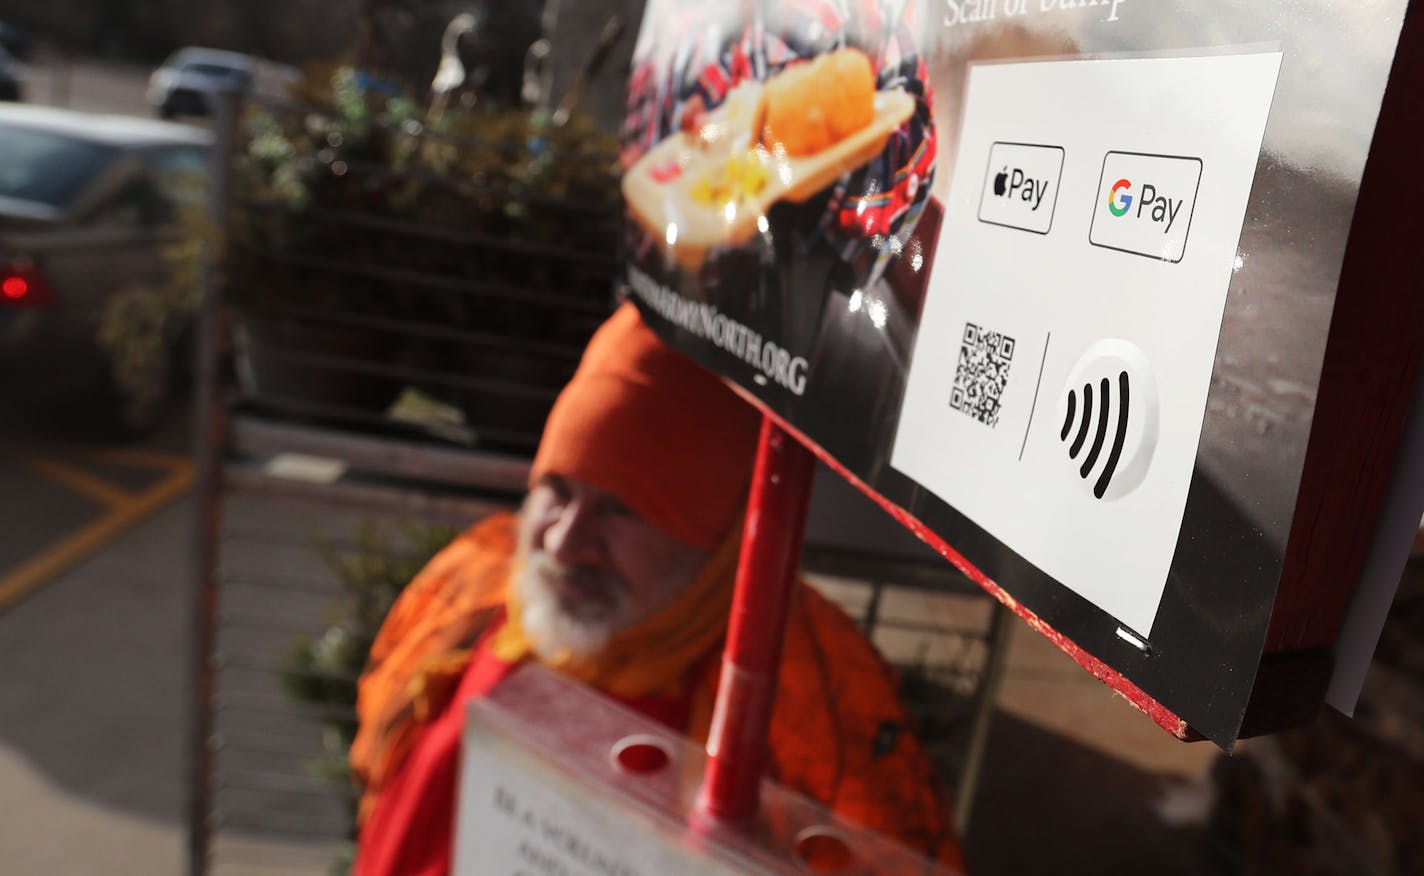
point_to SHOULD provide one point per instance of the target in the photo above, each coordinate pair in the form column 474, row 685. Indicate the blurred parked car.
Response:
column 12, row 74
column 189, row 81
column 15, row 41
column 87, row 202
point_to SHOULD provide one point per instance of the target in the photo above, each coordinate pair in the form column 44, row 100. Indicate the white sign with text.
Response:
column 521, row 816
column 1060, row 377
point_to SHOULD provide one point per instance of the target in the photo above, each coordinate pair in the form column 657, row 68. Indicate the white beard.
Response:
column 553, row 630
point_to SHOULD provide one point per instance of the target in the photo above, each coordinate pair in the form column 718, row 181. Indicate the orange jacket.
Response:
column 838, row 734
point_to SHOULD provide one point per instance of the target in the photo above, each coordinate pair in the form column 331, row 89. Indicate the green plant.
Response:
column 443, row 245
column 139, row 326
column 321, row 672
column 310, row 177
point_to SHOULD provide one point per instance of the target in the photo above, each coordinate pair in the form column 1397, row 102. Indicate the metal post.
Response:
column 61, row 77
column 872, row 609
column 999, row 629
column 210, row 425
column 766, row 579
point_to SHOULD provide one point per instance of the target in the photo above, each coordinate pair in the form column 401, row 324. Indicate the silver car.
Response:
column 86, row 204
column 189, row 82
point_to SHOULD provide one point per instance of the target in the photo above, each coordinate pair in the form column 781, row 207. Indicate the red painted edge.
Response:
column 1161, row 715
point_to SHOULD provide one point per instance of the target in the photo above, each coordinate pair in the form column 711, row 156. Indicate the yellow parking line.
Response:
column 69, row 552
column 134, row 457
column 83, row 483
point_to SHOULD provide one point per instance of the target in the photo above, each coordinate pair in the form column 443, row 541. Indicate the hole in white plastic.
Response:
column 640, row 755
column 821, row 850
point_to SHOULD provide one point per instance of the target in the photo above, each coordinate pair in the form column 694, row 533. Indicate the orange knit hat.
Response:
column 645, row 423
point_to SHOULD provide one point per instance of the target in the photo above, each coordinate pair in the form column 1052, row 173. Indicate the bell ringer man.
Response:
column 618, row 571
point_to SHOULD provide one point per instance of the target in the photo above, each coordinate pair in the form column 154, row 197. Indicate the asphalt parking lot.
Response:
column 90, row 642
column 66, row 502
column 64, row 495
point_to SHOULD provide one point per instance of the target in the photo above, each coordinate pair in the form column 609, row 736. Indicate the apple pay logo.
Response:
column 1021, row 186
column 1144, row 204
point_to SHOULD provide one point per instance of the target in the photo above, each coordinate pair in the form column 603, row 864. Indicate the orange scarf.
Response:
column 423, row 648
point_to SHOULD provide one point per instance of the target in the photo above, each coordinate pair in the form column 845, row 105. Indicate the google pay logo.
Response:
column 1118, row 199
column 1145, row 204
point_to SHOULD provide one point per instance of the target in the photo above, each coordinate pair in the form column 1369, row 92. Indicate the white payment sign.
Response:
column 1060, row 376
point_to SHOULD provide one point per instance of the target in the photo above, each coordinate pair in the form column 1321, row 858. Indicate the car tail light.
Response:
column 22, row 284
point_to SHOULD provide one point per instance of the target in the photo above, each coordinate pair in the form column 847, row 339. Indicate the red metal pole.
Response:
column 766, row 578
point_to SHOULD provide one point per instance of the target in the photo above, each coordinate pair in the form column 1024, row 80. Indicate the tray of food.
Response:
column 710, row 184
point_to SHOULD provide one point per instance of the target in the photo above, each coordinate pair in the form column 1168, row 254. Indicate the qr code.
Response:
column 983, row 372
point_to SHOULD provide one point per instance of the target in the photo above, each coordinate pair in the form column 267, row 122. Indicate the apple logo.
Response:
column 1001, row 181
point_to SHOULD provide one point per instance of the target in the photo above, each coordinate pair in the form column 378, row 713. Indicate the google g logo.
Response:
column 1119, row 200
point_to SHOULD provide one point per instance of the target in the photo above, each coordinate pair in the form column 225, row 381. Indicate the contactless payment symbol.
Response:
column 1021, row 187
column 1109, row 412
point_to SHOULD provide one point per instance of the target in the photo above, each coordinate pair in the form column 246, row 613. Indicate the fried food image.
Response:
column 812, row 106
column 739, row 179
column 709, row 184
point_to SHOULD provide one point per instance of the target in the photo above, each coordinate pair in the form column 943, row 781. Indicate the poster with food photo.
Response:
column 1053, row 280
column 778, row 161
